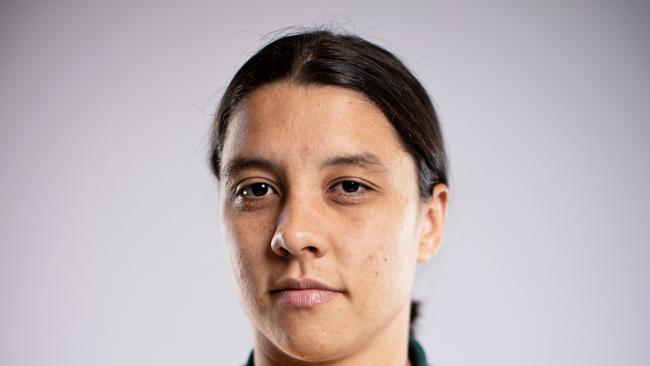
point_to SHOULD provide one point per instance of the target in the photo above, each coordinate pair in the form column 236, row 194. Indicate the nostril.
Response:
column 296, row 243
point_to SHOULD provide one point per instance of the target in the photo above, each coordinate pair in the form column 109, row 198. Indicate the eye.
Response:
column 258, row 189
column 349, row 187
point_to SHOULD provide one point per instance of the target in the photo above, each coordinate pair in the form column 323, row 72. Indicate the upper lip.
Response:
column 302, row 284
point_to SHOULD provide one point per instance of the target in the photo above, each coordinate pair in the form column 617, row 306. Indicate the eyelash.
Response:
column 363, row 187
column 241, row 191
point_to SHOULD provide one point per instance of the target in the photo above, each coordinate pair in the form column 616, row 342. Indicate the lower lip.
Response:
column 306, row 298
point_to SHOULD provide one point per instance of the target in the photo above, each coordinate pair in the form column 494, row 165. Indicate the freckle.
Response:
column 305, row 150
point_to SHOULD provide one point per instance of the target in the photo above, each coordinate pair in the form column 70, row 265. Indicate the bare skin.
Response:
column 316, row 185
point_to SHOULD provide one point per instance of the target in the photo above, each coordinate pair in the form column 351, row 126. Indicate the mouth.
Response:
column 304, row 293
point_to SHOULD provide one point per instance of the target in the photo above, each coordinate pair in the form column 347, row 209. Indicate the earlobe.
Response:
column 433, row 223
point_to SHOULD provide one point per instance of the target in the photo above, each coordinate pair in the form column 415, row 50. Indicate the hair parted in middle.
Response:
column 320, row 57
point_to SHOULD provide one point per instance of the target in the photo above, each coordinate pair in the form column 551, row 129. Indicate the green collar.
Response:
column 416, row 355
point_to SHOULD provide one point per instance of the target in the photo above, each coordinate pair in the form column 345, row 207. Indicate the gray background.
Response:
column 110, row 251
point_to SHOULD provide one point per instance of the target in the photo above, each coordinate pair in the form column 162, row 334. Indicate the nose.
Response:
column 300, row 231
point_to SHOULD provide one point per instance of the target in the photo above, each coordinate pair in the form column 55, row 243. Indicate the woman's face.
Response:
column 322, row 220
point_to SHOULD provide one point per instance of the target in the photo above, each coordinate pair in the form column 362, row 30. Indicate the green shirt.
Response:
column 416, row 355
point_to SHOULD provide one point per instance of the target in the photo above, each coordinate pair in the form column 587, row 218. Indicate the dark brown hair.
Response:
column 323, row 58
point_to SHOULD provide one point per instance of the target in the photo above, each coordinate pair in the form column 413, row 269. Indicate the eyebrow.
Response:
column 367, row 161
column 238, row 164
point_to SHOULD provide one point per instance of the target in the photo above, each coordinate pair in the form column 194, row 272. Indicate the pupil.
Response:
column 259, row 189
column 350, row 186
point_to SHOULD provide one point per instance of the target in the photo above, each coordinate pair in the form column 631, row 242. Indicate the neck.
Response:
column 388, row 346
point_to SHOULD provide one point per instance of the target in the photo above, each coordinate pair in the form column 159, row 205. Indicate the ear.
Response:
column 434, row 214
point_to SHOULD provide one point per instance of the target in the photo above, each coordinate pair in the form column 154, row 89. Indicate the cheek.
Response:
column 247, row 242
column 386, row 249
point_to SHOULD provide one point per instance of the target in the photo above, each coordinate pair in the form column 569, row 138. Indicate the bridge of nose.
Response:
column 301, row 228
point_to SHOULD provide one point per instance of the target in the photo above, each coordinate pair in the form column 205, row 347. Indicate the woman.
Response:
column 333, row 185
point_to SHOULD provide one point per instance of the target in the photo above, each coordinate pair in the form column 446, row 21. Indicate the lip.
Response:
column 304, row 293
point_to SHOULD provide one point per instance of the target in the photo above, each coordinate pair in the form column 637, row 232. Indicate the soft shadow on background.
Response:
column 109, row 238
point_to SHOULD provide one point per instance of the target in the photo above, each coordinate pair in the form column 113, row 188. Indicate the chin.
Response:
column 311, row 350
column 311, row 342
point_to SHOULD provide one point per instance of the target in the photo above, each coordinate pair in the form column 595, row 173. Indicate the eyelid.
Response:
column 365, row 185
column 253, row 196
column 248, row 182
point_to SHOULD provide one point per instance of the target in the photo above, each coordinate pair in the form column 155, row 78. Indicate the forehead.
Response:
column 283, row 122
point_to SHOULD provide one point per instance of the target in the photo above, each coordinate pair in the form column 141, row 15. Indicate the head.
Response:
column 331, row 168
